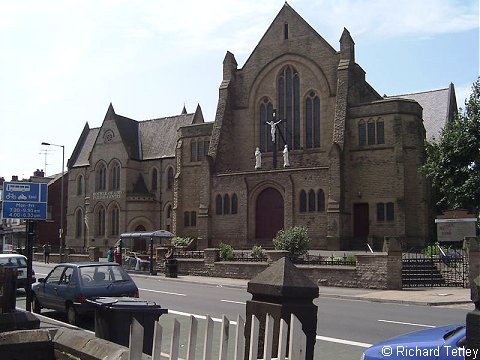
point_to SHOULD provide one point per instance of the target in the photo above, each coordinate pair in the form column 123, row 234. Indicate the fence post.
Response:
column 472, row 247
column 473, row 322
column 282, row 290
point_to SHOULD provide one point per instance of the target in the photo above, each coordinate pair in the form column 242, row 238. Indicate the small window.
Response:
column 186, row 219
column 234, row 204
column 311, row 200
column 380, row 133
column 390, row 212
column 193, row 151
column 285, row 31
column 303, row 201
column 218, row 205
column 226, row 204
column 371, row 133
column 193, row 218
column 320, row 200
column 170, row 178
column 380, row 212
column 154, row 180
column 169, row 212
column 80, row 185
column 362, row 134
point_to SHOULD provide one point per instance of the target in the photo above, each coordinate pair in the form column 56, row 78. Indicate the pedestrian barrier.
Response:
column 291, row 344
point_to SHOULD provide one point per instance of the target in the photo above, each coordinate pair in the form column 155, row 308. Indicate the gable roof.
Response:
column 439, row 107
column 143, row 140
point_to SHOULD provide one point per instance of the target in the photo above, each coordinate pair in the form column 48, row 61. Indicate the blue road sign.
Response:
column 24, row 200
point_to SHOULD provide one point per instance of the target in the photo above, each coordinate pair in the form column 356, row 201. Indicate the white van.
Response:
column 20, row 262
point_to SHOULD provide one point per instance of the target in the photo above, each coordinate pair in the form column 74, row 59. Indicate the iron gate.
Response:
column 434, row 266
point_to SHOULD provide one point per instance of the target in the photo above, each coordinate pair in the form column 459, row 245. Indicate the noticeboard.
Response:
column 24, row 200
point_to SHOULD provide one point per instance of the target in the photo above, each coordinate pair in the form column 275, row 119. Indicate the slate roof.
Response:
column 438, row 108
column 144, row 140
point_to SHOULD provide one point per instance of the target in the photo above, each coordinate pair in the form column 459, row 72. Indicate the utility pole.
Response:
column 45, row 153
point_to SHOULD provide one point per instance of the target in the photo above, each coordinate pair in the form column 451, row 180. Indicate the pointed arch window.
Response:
column 80, row 185
column 312, row 121
column 226, row 204
column 234, row 204
column 320, row 200
column 288, row 97
column 101, row 178
column 115, row 176
column 218, row 205
column 114, row 220
column 154, row 180
column 265, row 114
column 311, row 200
column 193, row 218
column 78, row 223
column 101, row 221
column 303, row 201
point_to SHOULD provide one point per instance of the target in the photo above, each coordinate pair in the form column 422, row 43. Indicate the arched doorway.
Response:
column 269, row 214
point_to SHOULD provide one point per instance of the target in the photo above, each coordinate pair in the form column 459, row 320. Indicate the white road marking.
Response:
column 163, row 292
column 342, row 341
column 406, row 323
column 234, row 302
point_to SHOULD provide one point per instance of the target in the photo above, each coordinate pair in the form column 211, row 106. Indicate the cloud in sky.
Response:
column 62, row 62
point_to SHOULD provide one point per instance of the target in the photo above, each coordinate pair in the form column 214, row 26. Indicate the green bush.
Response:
column 257, row 252
column 178, row 241
column 295, row 240
column 431, row 250
column 226, row 252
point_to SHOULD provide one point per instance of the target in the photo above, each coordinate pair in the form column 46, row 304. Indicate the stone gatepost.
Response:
column 93, row 253
column 473, row 323
column 393, row 248
column 282, row 290
column 275, row 255
column 211, row 256
column 472, row 247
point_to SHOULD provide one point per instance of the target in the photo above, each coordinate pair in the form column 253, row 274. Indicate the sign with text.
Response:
column 455, row 229
column 24, row 200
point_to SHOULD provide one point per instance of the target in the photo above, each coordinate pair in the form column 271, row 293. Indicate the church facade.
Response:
column 299, row 138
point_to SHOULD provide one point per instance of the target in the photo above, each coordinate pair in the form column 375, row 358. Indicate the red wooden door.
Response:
column 269, row 214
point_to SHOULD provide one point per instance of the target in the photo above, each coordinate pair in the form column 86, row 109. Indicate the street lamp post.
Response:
column 61, row 198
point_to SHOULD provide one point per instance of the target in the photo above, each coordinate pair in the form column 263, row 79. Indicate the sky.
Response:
column 63, row 62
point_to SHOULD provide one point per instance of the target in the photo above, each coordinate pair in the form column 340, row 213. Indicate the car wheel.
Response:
column 37, row 308
column 72, row 315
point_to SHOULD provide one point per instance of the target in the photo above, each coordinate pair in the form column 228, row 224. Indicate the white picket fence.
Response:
column 296, row 350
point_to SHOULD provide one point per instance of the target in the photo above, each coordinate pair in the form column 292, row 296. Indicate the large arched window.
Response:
column 80, row 185
column 78, row 223
column 100, row 221
column 101, row 178
column 170, row 177
column 312, row 121
column 114, row 220
column 288, row 97
column 154, row 180
column 115, row 176
column 265, row 114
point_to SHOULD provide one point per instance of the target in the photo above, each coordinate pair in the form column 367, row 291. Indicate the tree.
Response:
column 453, row 163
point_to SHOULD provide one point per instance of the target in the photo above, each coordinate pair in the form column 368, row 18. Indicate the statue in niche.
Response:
column 258, row 159
column 286, row 161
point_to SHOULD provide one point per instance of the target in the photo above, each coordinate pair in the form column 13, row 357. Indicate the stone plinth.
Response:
column 282, row 290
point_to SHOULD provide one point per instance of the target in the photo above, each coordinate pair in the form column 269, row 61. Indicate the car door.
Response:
column 47, row 292
column 65, row 289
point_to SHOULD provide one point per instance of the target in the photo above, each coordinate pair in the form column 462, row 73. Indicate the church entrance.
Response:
column 360, row 222
column 140, row 245
column 269, row 214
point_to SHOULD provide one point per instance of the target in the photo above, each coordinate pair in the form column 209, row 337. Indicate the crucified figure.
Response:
column 273, row 128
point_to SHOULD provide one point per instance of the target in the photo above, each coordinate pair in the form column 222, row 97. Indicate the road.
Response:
column 344, row 327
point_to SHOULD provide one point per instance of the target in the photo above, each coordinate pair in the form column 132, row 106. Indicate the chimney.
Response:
column 14, row 177
column 39, row 173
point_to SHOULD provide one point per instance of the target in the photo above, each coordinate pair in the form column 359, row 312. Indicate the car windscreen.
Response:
column 102, row 274
column 17, row 261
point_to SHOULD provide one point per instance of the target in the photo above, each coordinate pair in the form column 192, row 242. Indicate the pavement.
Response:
column 431, row 296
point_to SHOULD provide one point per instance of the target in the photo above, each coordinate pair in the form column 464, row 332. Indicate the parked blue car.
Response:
column 441, row 343
column 67, row 287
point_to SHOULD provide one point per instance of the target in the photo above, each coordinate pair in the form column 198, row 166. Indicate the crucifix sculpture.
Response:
column 273, row 130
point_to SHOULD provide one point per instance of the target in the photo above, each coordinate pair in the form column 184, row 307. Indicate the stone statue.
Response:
column 273, row 128
column 258, row 159
column 286, row 161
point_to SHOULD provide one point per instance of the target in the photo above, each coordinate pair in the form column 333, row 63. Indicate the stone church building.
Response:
column 299, row 138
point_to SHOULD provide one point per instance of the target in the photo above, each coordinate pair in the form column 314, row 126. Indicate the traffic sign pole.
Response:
column 29, row 254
